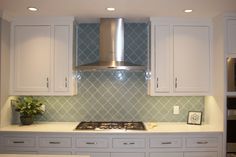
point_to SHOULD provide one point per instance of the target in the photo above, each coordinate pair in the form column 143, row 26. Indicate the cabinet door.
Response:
column 127, row 154
column 61, row 55
column 162, row 58
column 32, row 53
column 201, row 154
column 166, row 155
column 231, row 36
column 95, row 154
column 191, row 59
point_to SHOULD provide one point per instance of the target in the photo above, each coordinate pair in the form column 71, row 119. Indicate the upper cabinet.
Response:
column 231, row 35
column 180, row 57
column 41, row 56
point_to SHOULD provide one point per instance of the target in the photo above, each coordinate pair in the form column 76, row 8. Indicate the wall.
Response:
column 4, row 72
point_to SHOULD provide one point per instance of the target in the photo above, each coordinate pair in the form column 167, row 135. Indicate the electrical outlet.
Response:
column 175, row 109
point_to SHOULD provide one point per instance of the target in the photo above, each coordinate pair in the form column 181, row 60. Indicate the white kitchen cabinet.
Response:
column 42, row 56
column 202, row 142
column 32, row 60
column 174, row 154
column 61, row 65
column 128, row 143
column 162, row 63
column 191, row 59
column 201, row 154
column 180, row 57
column 149, row 144
column 55, row 142
column 166, row 142
column 95, row 154
column 231, row 35
column 127, row 154
column 92, row 142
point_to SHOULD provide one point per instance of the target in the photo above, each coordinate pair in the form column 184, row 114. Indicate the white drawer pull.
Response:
column 202, row 142
column 91, row 143
column 18, row 142
column 130, row 143
column 54, row 142
column 166, row 143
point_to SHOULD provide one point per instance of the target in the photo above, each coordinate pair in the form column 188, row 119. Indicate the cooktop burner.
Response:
column 110, row 125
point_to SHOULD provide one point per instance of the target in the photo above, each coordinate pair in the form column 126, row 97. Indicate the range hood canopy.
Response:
column 111, row 48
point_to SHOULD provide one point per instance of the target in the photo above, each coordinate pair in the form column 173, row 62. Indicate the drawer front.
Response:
column 92, row 143
column 172, row 154
column 19, row 141
column 201, row 154
column 55, row 142
column 165, row 142
column 202, row 142
column 93, row 154
column 128, row 143
column 128, row 155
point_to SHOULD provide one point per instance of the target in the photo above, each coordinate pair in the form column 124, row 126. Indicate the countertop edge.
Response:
column 152, row 127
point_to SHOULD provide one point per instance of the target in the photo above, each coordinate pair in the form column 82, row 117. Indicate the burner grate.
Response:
column 110, row 125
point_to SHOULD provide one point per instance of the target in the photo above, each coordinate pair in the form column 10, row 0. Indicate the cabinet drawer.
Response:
column 165, row 142
column 201, row 142
column 19, row 141
column 55, row 142
column 166, row 154
column 92, row 142
column 128, row 143
column 128, row 155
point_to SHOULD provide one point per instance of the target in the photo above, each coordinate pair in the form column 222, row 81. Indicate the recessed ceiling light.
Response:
column 32, row 9
column 188, row 10
column 111, row 9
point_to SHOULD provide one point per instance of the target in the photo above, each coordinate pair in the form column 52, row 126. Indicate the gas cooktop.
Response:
column 98, row 125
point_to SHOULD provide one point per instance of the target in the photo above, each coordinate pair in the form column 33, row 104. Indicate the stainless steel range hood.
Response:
column 111, row 47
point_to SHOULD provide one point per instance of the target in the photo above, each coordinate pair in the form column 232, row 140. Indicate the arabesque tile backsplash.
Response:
column 116, row 95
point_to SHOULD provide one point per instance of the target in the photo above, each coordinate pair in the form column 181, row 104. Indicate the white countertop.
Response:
column 37, row 155
column 152, row 127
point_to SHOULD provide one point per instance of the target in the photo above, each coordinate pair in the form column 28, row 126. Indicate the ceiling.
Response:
column 124, row 8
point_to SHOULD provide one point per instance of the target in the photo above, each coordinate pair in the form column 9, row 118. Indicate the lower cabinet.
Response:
column 127, row 154
column 114, row 145
column 201, row 154
column 174, row 154
column 55, row 152
column 188, row 154
column 95, row 154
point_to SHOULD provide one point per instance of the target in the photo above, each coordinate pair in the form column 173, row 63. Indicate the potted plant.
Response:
column 28, row 107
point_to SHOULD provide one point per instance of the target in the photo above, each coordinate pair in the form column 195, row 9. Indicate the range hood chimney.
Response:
column 111, row 48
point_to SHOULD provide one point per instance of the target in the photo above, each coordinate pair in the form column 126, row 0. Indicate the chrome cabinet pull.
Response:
column 47, row 83
column 157, row 83
column 91, row 143
column 166, row 142
column 66, row 84
column 130, row 143
column 18, row 142
column 54, row 142
column 202, row 142
column 176, row 82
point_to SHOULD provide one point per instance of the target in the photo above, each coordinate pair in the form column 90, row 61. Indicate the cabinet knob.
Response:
column 129, row 143
column 202, row 142
column 166, row 143
column 47, row 82
column 18, row 142
column 66, row 82
column 54, row 142
column 157, row 82
column 176, row 82
column 91, row 143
